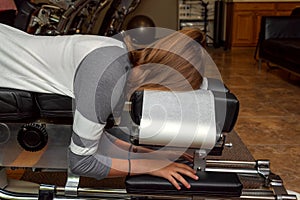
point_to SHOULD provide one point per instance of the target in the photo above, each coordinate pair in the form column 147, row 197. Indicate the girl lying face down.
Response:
column 100, row 73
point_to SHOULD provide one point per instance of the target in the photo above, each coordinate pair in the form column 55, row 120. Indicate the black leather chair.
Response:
column 279, row 42
column 296, row 11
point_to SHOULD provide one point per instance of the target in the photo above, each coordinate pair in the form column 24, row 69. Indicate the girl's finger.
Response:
column 174, row 182
column 190, row 172
column 178, row 177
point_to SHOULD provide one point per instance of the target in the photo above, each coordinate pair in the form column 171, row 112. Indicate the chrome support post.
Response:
column 71, row 187
column 278, row 188
column 263, row 167
column 46, row 192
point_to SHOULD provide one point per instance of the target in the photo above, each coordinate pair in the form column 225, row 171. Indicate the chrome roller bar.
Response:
column 91, row 194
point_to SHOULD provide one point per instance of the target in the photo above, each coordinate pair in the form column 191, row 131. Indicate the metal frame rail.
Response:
column 273, row 188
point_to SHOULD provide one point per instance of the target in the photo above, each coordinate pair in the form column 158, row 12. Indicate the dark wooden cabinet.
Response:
column 243, row 20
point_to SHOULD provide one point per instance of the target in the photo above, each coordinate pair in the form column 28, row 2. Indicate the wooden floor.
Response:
column 269, row 119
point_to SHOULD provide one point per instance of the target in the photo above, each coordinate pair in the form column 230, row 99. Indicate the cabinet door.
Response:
column 243, row 26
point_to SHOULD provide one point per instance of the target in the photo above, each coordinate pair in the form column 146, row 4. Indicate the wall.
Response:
column 164, row 13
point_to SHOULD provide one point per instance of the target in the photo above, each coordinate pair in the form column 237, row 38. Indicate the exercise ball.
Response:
column 141, row 29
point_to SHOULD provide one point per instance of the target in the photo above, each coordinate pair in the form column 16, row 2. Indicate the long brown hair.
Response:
column 171, row 63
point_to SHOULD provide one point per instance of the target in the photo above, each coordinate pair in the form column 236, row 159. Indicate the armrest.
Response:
column 209, row 183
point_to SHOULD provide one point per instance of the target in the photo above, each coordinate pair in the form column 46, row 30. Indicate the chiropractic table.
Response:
column 35, row 132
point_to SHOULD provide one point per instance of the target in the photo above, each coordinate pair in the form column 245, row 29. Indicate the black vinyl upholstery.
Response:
column 209, row 183
column 54, row 105
column 296, row 11
column 229, row 105
column 279, row 41
column 18, row 105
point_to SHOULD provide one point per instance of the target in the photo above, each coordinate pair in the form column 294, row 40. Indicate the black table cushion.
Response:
column 209, row 183
column 16, row 105
column 52, row 105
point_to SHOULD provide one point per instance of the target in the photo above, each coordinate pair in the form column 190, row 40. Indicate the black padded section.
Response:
column 227, row 109
column 296, row 11
column 280, row 27
column 136, row 106
column 16, row 105
column 53, row 105
column 283, row 52
column 216, row 85
column 209, row 183
column 279, row 41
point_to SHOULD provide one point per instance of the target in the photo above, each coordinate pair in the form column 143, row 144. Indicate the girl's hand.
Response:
column 169, row 170
column 173, row 172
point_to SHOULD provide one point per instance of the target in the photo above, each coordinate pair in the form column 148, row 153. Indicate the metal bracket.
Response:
column 71, row 187
column 3, row 178
column 46, row 192
column 278, row 188
column 263, row 167
column 200, row 160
